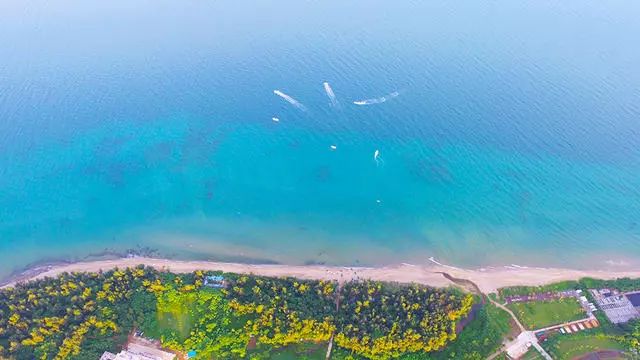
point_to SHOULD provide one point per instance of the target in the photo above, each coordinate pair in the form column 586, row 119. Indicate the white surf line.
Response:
column 433, row 260
column 290, row 100
column 407, row 264
column 379, row 100
column 330, row 94
column 517, row 267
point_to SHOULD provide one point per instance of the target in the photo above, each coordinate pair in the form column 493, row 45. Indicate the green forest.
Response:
column 81, row 315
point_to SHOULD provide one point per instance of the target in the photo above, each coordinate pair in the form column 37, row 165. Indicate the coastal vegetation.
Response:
column 481, row 338
column 410, row 318
column 77, row 315
column 80, row 315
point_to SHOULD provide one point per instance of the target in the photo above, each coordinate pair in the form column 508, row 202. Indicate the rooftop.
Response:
column 618, row 308
column 136, row 351
column 634, row 298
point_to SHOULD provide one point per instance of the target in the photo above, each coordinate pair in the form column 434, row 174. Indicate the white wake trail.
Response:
column 379, row 100
column 433, row 260
column 330, row 94
column 376, row 158
column 290, row 100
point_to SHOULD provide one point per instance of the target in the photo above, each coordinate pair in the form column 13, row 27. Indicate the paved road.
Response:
column 542, row 352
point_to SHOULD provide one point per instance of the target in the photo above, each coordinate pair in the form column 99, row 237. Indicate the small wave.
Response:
column 616, row 262
column 433, row 260
column 330, row 94
column 512, row 267
column 519, row 267
column 290, row 100
column 379, row 100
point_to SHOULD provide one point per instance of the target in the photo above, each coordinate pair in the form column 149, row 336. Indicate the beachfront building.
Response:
column 616, row 306
column 215, row 281
column 634, row 297
column 588, row 306
column 139, row 352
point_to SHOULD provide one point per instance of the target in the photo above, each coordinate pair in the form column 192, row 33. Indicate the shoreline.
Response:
column 487, row 280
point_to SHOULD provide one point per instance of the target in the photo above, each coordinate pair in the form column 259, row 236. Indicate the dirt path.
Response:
column 510, row 313
column 329, row 347
column 473, row 288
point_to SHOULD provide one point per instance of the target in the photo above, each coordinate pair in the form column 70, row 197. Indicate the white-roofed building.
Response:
column 139, row 352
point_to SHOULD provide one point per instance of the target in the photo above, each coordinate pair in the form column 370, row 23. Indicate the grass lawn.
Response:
column 540, row 314
column 178, row 320
column 175, row 313
column 303, row 351
column 572, row 346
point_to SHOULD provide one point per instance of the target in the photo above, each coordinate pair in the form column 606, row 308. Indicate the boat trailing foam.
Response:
column 290, row 100
column 330, row 94
column 376, row 158
column 433, row 260
column 379, row 100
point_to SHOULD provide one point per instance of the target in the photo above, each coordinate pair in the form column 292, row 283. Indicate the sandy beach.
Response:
column 488, row 280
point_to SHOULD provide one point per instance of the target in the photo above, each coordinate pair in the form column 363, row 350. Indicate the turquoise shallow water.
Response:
column 515, row 137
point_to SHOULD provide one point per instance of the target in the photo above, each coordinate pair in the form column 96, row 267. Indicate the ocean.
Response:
column 483, row 133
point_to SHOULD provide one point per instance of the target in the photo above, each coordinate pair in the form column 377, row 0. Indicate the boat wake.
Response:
column 379, row 100
column 290, row 100
column 330, row 94
column 519, row 267
column 433, row 260
column 376, row 158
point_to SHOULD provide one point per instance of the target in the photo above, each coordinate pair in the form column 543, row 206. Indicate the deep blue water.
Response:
column 515, row 137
